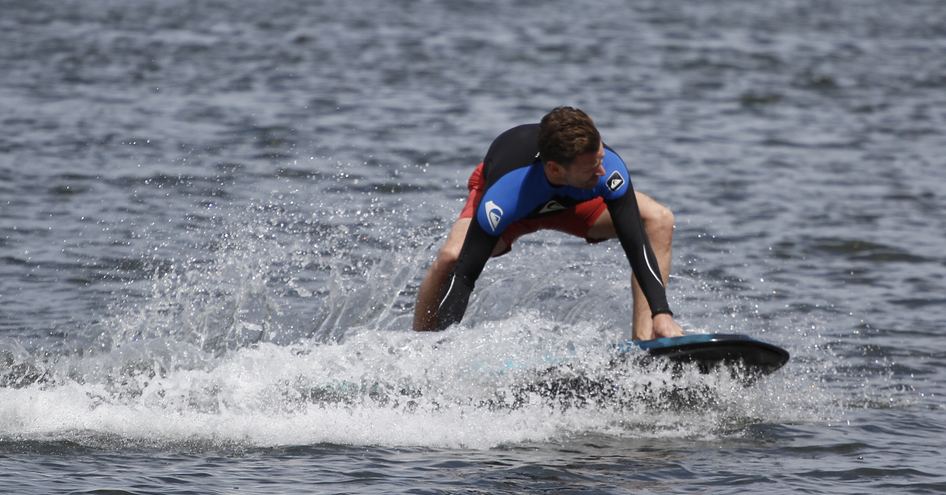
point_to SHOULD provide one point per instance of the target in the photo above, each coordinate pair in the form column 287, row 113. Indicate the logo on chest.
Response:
column 615, row 181
column 551, row 206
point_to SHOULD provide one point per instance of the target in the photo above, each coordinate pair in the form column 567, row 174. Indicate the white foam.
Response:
column 393, row 389
column 211, row 356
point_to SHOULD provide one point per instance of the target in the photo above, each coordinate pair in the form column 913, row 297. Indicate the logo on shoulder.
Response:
column 615, row 181
column 494, row 213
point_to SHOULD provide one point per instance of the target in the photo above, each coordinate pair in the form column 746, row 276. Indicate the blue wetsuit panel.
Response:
column 522, row 192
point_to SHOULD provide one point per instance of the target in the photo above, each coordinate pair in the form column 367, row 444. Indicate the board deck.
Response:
column 714, row 349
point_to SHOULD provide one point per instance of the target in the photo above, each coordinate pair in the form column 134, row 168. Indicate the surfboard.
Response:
column 708, row 351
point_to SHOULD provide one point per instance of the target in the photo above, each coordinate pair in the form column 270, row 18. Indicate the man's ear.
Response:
column 555, row 172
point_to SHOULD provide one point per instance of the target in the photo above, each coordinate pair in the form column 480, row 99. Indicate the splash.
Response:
column 524, row 379
column 288, row 333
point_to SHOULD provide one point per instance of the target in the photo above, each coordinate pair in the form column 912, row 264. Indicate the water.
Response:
column 214, row 218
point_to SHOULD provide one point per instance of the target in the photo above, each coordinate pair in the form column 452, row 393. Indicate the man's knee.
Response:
column 449, row 251
column 664, row 217
column 658, row 219
column 447, row 257
column 654, row 214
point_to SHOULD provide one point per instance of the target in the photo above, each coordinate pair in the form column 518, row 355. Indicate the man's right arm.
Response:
column 476, row 250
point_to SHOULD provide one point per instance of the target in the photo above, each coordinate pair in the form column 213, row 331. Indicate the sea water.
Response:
column 214, row 218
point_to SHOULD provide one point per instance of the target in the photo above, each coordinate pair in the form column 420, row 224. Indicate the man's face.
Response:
column 586, row 169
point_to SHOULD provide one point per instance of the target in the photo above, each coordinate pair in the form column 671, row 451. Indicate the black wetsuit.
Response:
column 516, row 188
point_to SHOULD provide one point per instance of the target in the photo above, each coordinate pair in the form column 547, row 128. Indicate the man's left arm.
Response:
column 625, row 214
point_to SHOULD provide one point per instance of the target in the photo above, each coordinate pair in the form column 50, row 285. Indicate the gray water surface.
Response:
column 214, row 217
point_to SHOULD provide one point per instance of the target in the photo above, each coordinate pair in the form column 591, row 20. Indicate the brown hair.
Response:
column 565, row 133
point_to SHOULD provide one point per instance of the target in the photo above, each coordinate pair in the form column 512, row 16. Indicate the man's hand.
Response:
column 665, row 326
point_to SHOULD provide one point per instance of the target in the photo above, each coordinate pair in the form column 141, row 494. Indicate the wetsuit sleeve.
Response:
column 477, row 247
column 625, row 213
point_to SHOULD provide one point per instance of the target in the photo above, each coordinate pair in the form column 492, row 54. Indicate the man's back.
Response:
column 514, row 148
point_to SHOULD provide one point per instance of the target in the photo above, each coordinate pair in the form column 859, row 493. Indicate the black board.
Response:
column 711, row 350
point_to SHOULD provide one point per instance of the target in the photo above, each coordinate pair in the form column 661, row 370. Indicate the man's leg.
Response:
column 428, row 296
column 658, row 223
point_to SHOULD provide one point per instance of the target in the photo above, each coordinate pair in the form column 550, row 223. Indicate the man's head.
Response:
column 570, row 147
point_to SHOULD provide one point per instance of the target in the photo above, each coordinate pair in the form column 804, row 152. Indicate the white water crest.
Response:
column 468, row 387
column 218, row 353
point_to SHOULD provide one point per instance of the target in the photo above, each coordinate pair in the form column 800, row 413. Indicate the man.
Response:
column 559, row 175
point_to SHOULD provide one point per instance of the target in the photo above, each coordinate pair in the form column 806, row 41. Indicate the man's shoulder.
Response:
column 513, row 196
column 616, row 179
column 612, row 160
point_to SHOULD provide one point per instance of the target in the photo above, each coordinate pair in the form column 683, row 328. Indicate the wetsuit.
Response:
column 516, row 188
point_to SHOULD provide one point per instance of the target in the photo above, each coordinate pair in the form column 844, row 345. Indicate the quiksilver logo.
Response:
column 615, row 181
column 552, row 206
column 494, row 213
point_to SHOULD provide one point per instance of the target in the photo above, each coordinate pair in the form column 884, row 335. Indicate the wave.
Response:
column 286, row 332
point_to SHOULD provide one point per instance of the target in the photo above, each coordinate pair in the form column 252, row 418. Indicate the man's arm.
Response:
column 476, row 250
column 625, row 214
